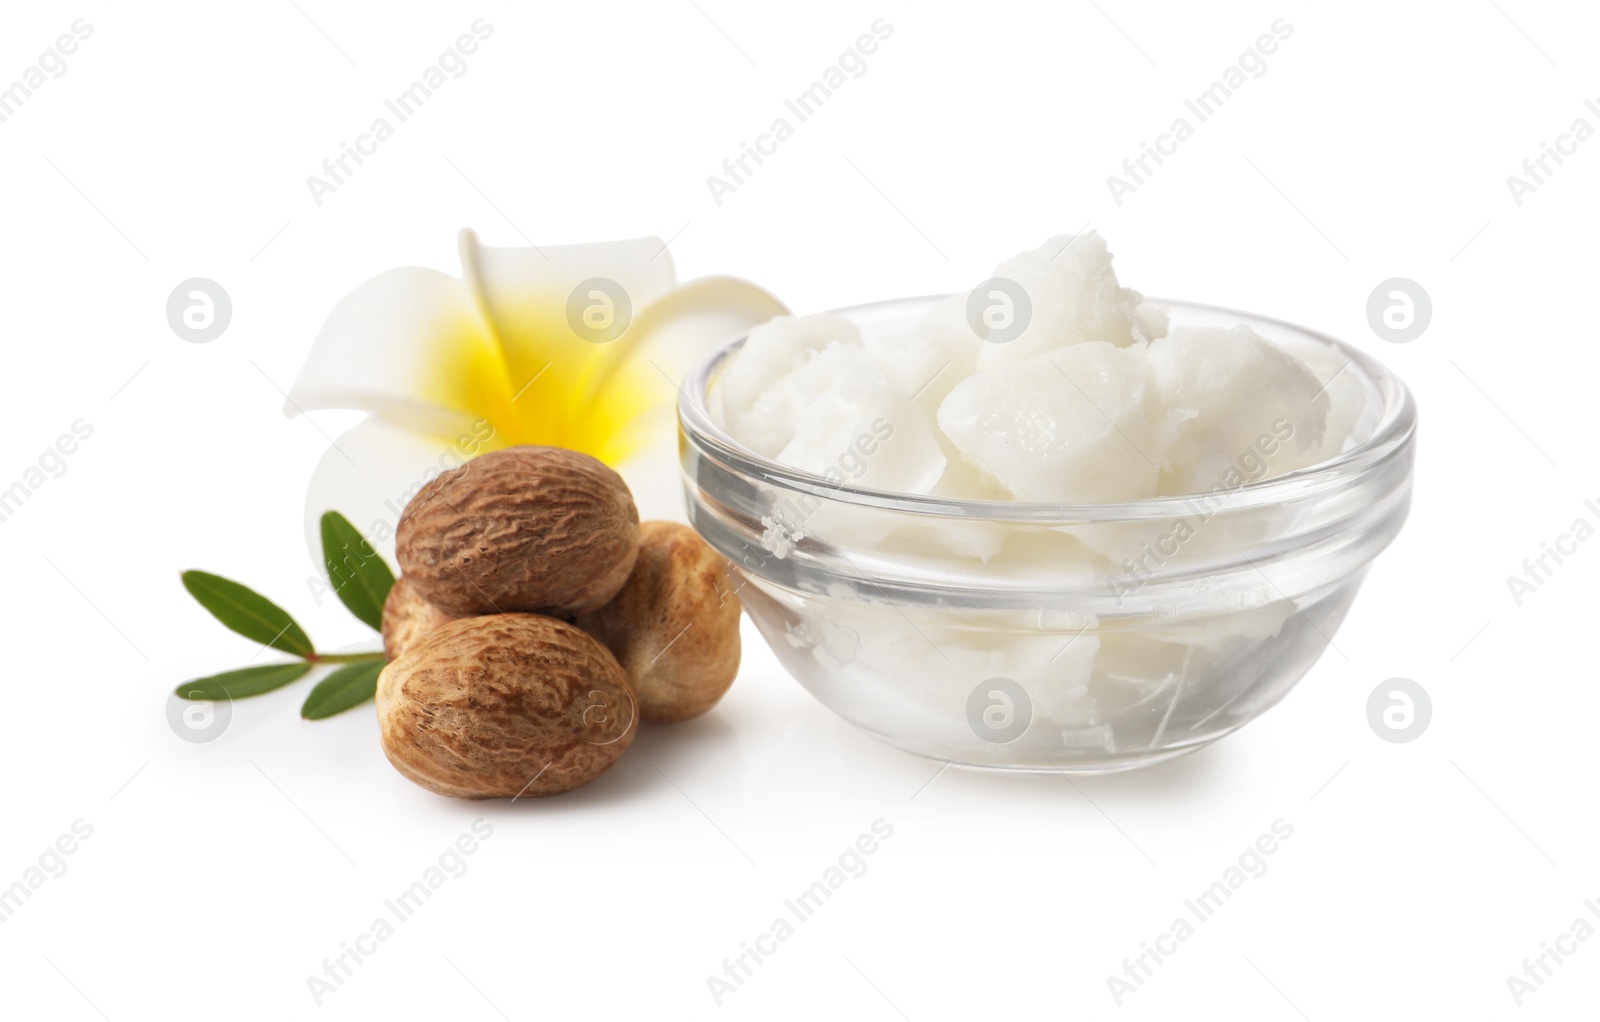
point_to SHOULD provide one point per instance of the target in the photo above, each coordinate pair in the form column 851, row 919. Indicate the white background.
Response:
column 218, row 877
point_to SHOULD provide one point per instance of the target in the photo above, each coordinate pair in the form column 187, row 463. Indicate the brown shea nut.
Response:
column 407, row 617
column 537, row 529
column 674, row 626
column 504, row 705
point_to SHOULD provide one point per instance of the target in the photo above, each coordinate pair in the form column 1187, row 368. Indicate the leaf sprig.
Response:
column 360, row 578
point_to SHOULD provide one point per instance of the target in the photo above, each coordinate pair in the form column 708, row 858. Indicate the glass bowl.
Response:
column 1036, row 636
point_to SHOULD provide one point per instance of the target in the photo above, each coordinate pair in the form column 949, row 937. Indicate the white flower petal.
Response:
column 407, row 345
column 376, row 468
column 508, row 281
column 690, row 323
column 524, row 295
column 649, row 365
column 654, row 478
column 639, row 383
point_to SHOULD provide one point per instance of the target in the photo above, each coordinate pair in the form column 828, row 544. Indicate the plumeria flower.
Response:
column 578, row 346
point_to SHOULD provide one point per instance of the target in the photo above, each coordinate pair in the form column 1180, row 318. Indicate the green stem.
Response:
column 344, row 658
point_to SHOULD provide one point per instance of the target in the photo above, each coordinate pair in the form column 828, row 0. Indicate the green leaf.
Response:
column 246, row 681
column 351, row 685
column 357, row 572
column 248, row 612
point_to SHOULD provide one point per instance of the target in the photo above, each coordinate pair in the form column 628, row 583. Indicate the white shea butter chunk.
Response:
column 861, row 427
column 757, row 397
column 1070, row 426
column 1091, row 401
column 1073, row 297
column 1350, row 412
column 1236, row 409
column 931, row 359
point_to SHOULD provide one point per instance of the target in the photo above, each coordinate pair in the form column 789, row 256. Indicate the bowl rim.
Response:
column 1391, row 437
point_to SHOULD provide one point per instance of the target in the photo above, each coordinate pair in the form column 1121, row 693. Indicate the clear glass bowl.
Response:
column 1032, row 636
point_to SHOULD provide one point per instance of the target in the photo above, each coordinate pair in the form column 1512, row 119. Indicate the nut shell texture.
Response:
column 674, row 626
column 538, row 529
column 407, row 617
column 505, row 705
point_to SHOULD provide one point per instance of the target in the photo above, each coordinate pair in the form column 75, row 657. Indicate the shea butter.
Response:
column 1050, row 382
column 1035, row 524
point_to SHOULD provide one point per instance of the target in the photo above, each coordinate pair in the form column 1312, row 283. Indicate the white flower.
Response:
column 578, row 346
